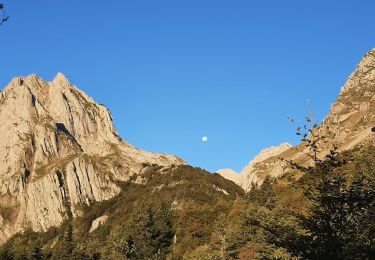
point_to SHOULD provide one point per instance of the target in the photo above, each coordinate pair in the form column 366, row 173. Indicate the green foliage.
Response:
column 170, row 216
column 342, row 205
column 187, row 213
column 204, row 252
column 263, row 195
column 149, row 235
column 260, row 233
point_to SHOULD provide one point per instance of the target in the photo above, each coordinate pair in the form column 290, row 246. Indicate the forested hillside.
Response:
column 321, row 212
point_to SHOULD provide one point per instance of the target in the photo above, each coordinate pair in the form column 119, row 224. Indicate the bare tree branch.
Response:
column 3, row 16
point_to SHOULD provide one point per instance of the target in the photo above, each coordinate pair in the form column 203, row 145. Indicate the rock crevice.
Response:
column 59, row 150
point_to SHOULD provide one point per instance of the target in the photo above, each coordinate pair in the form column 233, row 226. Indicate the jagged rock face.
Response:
column 348, row 124
column 272, row 152
column 246, row 177
column 58, row 150
column 353, row 114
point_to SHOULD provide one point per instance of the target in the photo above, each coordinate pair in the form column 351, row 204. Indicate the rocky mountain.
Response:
column 59, row 150
column 244, row 179
column 349, row 124
column 168, row 215
column 65, row 171
column 231, row 175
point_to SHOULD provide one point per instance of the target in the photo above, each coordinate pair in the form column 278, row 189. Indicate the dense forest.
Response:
column 320, row 212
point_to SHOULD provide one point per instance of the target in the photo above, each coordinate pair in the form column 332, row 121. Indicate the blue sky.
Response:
column 173, row 71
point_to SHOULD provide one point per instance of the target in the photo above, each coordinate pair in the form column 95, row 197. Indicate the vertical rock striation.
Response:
column 58, row 150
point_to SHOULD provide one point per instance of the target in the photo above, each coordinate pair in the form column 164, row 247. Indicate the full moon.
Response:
column 204, row 139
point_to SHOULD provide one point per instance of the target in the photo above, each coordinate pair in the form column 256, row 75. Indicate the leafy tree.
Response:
column 339, row 225
column 341, row 205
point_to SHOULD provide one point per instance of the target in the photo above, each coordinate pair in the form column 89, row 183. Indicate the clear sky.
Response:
column 174, row 71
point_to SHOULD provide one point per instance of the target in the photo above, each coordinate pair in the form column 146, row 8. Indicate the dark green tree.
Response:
column 65, row 246
column 149, row 235
column 37, row 253
column 6, row 254
column 339, row 224
column 263, row 195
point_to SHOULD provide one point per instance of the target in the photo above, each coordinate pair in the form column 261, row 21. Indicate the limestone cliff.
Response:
column 246, row 177
column 349, row 123
column 231, row 175
column 58, row 150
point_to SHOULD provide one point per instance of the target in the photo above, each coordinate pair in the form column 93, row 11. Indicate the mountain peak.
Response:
column 231, row 175
column 349, row 124
column 363, row 75
column 57, row 146
column 269, row 152
column 245, row 178
column 352, row 116
column 60, row 78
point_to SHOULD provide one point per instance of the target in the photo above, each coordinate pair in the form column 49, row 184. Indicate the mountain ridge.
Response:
column 263, row 155
column 59, row 150
column 347, row 125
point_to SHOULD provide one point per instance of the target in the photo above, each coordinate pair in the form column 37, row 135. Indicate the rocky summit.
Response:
column 245, row 178
column 59, row 150
column 63, row 166
column 350, row 123
column 65, row 171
